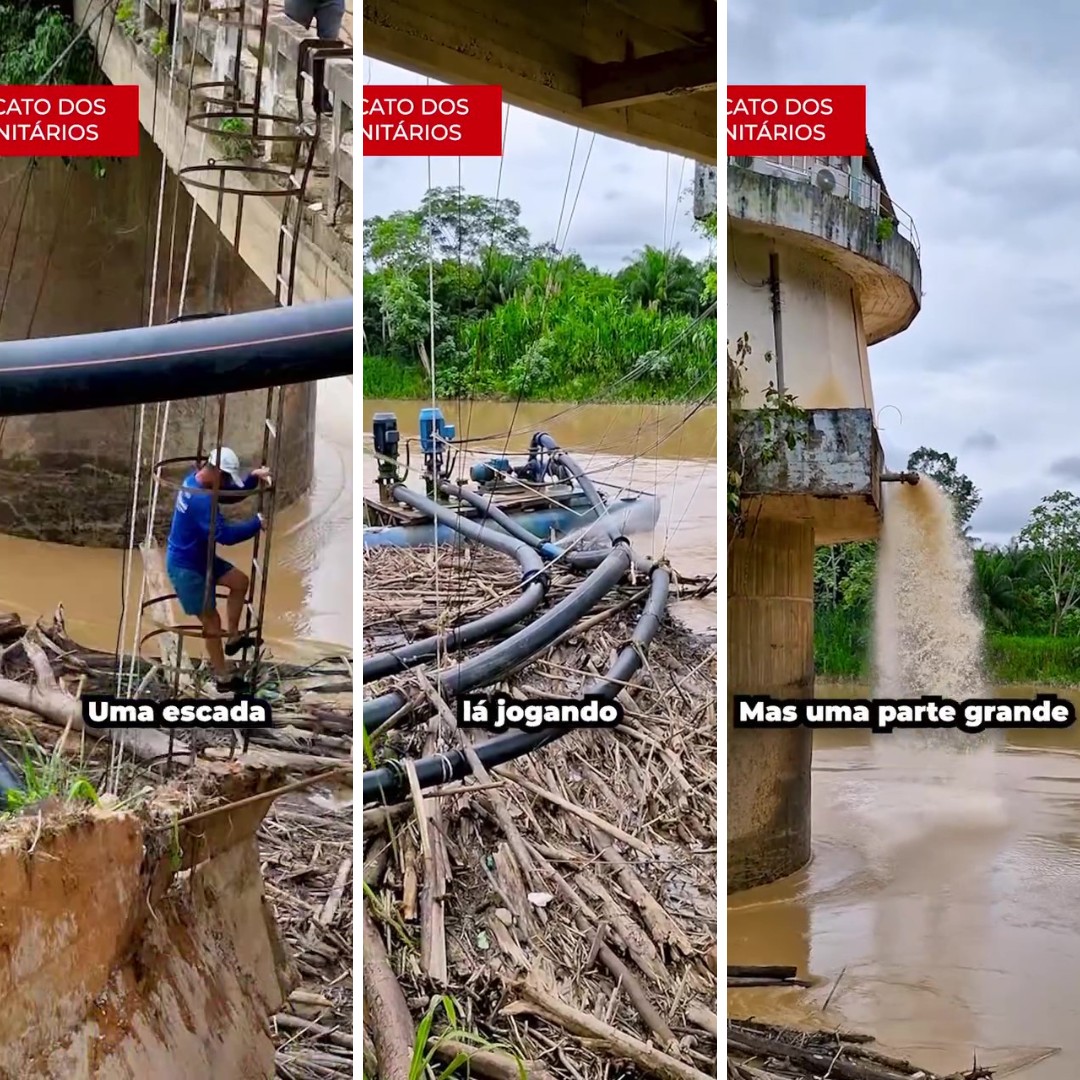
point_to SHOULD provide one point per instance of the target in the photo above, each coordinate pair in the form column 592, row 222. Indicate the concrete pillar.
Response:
column 81, row 252
column 770, row 651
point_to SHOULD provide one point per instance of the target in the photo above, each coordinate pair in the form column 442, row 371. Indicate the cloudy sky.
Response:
column 972, row 113
column 625, row 202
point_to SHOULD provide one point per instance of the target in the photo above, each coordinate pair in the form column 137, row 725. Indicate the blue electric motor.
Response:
column 434, row 431
column 487, row 472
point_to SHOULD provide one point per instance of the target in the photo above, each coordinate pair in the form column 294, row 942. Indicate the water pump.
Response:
column 436, row 435
column 387, row 442
column 487, row 473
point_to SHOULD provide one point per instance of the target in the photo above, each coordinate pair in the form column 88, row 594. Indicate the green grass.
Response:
column 46, row 776
column 1014, row 659
column 388, row 377
column 427, row 1043
column 842, row 643
column 403, row 380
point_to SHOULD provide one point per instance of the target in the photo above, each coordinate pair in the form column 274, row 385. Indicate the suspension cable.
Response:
column 151, row 313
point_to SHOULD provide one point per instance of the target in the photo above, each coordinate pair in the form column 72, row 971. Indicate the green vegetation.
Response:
column 425, row 1048
column 236, row 142
column 48, row 776
column 758, row 432
column 127, row 17
column 518, row 320
column 33, row 37
column 1028, row 591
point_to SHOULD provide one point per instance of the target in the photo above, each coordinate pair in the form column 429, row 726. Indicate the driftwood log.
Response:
column 761, row 1051
column 44, row 672
column 43, row 695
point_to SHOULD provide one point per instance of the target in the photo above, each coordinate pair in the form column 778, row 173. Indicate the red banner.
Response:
column 435, row 121
column 802, row 120
column 69, row 121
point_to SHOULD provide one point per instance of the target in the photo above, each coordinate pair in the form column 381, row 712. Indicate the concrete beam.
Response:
column 536, row 56
column 631, row 82
column 828, row 473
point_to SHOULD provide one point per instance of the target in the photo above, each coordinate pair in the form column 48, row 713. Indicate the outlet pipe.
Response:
column 534, row 585
column 900, row 478
column 227, row 354
column 489, row 666
column 389, row 783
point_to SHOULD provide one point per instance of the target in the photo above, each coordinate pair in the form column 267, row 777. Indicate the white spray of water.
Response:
column 928, row 640
column 928, row 636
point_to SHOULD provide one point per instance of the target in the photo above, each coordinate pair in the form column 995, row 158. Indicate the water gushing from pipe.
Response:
column 928, row 635
column 928, row 640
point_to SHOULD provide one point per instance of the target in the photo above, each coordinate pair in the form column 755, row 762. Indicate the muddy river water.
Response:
column 653, row 448
column 309, row 597
column 941, row 908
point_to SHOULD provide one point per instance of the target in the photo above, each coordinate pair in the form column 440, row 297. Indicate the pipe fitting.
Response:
column 900, row 478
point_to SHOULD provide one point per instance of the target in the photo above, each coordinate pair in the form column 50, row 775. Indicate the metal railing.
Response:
column 214, row 42
column 862, row 190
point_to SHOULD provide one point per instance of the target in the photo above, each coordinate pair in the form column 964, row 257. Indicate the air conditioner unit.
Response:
column 743, row 161
column 832, row 181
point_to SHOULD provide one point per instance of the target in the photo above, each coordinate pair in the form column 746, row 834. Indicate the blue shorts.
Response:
column 326, row 14
column 190, row 586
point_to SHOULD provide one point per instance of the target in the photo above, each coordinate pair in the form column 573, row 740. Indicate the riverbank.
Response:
column 391, row 377
column 842, row 653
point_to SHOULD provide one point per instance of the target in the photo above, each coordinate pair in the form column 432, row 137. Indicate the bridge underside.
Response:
column 637, row 70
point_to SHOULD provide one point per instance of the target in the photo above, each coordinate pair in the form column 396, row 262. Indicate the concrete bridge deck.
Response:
column 136, row 51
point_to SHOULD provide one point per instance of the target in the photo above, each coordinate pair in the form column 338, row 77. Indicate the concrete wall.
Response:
column 826, row 470
column 844, row 283
column 324, row 264
column 826, row 365
column 770, row 651
column 81, row 254
column 885, row 271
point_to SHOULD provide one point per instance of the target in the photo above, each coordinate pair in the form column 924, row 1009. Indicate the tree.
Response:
column 663, row 280
column 397, row 242
column 463, row 226
column 460, row 226
column 707, row 227
column 941, row 468
column 1052, row 535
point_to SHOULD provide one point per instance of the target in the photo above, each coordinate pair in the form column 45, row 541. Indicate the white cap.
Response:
column 230, row 464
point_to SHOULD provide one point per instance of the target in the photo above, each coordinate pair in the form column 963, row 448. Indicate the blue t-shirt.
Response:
column 189, row 534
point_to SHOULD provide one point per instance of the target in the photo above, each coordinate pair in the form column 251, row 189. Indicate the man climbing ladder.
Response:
column 196, row 526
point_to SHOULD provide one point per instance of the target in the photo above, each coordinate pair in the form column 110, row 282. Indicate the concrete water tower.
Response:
column 822, row 264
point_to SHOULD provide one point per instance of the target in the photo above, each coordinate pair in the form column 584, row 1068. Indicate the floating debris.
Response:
column 560, row 912
column 743, row 975
column 297, row 773
column 759, row 1051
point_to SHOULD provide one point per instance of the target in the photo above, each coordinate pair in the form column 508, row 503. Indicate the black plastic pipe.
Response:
column 486, row 506
column 577, row 560
column 222, row 355
column 561, row 457
column 488, row 666
column 389, row 783
column 534, row 587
